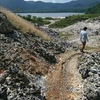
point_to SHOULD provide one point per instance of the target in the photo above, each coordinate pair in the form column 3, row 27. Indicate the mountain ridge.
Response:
column 39, row 6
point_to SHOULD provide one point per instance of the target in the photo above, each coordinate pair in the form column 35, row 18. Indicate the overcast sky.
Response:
column 54, row 1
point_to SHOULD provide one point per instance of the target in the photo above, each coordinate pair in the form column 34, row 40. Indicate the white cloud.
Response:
column 54, row 1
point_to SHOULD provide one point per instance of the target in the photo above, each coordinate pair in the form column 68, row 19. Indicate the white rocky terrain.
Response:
column 93, row 31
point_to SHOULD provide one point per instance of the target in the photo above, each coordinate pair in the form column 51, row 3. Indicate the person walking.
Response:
column 83, row 38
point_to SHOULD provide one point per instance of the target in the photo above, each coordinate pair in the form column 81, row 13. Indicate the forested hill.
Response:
column 94, row 9
column 31, row 6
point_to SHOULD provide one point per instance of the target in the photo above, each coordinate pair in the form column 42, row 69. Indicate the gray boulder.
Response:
column 5, row 24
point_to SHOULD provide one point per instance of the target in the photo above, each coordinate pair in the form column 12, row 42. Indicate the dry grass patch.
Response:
column 65, row 35
column 90, row 48
column 23, row 25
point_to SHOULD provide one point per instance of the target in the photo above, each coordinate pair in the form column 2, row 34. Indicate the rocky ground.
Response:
column 34, row 69
column 25, row 59
column 77, row 74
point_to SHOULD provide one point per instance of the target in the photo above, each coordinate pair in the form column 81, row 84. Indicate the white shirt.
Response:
column 83, row 36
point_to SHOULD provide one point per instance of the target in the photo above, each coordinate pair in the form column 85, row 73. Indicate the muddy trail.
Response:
column 65, row 82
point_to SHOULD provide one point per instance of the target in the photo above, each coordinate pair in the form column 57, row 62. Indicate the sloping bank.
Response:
column 24, row 59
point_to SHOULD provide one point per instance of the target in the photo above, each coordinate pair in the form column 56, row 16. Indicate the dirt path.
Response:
column 64, row 82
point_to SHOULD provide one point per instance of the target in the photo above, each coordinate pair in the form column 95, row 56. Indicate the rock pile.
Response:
column 15, row 84
column 89, row 68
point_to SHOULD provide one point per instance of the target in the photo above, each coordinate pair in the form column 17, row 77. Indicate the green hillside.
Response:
column 94, row 9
